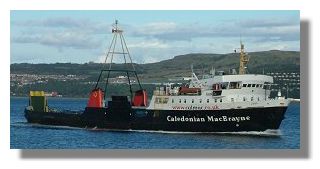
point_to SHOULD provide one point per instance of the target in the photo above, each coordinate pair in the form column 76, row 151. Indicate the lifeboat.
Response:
column 186, row 90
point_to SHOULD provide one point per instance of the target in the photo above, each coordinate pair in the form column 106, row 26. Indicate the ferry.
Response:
column 220, row 102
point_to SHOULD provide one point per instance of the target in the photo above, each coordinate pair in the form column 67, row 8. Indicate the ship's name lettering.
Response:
column 208, row 119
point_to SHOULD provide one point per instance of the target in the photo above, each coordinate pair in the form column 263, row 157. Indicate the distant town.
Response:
column 21, row 80
column 285, row 81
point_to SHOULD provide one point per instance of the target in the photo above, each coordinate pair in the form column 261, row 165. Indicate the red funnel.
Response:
column 96, row 98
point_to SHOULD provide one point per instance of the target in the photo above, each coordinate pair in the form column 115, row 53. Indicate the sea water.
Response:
column 31, row 136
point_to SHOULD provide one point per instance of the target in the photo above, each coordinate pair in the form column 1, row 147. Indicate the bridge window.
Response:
column 200, row 101
column 234, row 85
column 185, row 100
column 253, row 85
column 216, row 87
column 215, row 100
column 249, row 85
column 220, row 100
column 207, row 100
column 157, row 100
column 161, row 100
column 251, row 98
column 224, row 85
column 192, row 101
column 244, row 99
column 164, row 100
column 179, row 100
column 244, row 85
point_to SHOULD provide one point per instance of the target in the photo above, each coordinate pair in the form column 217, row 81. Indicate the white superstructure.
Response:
column 218, row 92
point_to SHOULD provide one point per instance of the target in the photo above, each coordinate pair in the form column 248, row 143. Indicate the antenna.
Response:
column 213, row 71
column 202, row 71
column 287, row 90
column 192, row 68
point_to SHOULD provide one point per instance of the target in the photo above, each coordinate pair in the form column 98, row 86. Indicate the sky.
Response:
column 84, row 36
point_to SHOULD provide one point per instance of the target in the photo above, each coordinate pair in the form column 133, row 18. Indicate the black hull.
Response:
column 255, row 119
column 124, row 117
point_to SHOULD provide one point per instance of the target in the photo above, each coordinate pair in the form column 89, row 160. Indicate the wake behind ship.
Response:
column 218, row 103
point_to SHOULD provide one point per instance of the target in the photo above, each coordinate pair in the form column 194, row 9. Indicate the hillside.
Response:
column 275, row 61
column 63, row 77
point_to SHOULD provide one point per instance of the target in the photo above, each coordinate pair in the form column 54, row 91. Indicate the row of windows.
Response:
column 252, row 99
column 215, row 100
column 162, row 100
column 200, row 101
column 253, row 85
column 236, row 85
column 226, row 85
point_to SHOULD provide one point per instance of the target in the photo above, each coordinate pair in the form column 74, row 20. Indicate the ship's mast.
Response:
column 117, row 35
column 114, row 51
column 244, row 59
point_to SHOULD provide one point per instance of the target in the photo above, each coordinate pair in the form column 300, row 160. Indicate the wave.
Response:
column 268, row 132
column 256, row 133
column 26, row 124
column 253, row 133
